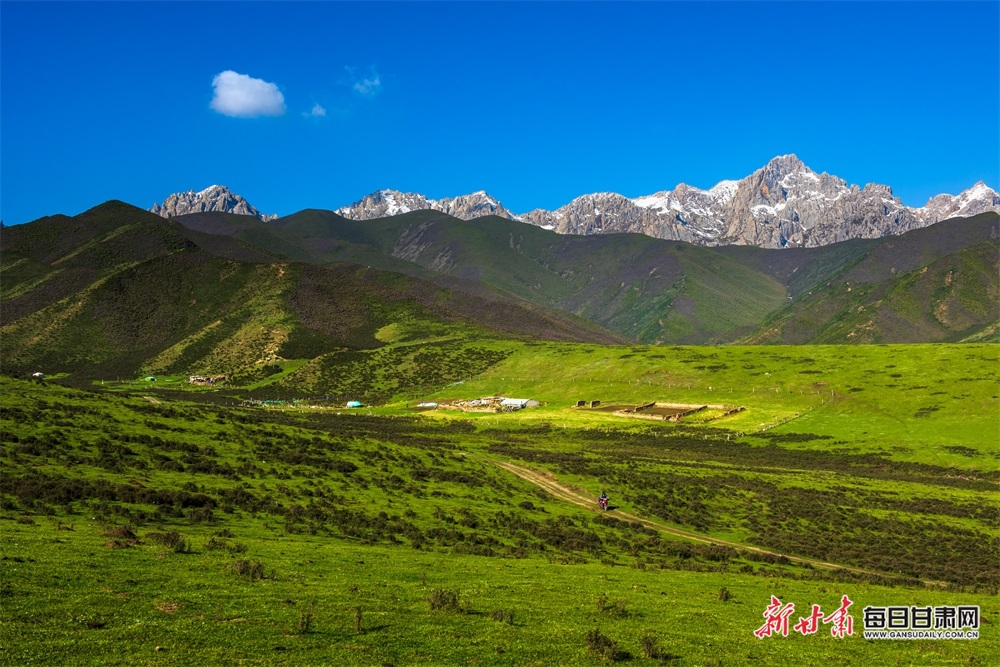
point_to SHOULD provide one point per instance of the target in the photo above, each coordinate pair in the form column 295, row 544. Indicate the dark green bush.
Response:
column 602, row 646
column 443, row 599
column 248, row 569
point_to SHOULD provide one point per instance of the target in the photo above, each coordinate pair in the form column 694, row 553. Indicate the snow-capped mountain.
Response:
column 785, row 203
column 977, row 199
column 782, row 204
column 214, row 198
column 392, row 202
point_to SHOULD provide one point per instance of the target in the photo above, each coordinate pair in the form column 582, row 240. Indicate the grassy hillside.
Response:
column 135, row 520
column 118, row 291
column 646, row 289
column 261, row 521
column 939, row 283
column 657, row 291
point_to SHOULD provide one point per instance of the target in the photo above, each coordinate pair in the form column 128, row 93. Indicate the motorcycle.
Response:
column 603, row 503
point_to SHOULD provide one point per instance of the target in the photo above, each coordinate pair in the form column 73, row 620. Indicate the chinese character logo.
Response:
column 776, row 616
column 776, row 620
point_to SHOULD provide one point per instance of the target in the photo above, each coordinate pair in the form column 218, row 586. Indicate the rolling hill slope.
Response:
column 657, row 291
column 642, row 288
column 117, row 290
column 937, row 284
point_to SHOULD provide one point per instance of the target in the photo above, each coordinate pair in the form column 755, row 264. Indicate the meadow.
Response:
column 163, row 523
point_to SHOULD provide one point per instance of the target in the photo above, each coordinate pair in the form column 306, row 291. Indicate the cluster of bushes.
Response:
column 252, row 570
column 41, row 487
column 421, row 462
column 832, row 524
column 170, row 539
column 375, row 376
column 601, row 646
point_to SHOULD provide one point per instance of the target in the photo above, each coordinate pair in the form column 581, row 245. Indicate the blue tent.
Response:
column 354, row 404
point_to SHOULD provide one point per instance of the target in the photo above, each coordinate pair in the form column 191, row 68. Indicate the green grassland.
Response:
column 138, row 514
column 906, row 402
column 136, row 518
column 116, row 606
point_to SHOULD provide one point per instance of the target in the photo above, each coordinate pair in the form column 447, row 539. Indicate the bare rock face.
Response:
column 384, row 203
column 602, row 213
column 392, row 202
column 782, row 204
column 214, row 198
column 980, row 198
column 787, row 204
column 684, row 214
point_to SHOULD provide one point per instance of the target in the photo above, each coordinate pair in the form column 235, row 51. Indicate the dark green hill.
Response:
column 643, row 288
column 249, row 229
column 117, row 291
column 661, row 291
column 934, row 284
column 55, row 257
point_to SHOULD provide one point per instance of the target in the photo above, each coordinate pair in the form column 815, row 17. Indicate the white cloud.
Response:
column 317, row 111
column 368, row 85
column 243, row 96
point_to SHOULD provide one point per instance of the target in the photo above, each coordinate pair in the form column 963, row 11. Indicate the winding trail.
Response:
column 548, row 482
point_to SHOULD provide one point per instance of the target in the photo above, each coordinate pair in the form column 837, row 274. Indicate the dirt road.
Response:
column 548, row 482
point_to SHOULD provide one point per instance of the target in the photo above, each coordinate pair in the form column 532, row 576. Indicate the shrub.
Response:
column 504, row 616
column 215, row 544
column 610, row 607
column 602, row 646
column 201, row 514
column 724, row 594
column 123, row 532
column 443, row 599
column 650, row 649
column 306, row 618
column 246, row 568
column 171, row 539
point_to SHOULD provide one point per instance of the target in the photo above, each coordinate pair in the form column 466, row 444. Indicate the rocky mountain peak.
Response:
column 782, row 204
column 786, row 164
column 878, row 187
column 212, row 198
column 977, row 199
column 393, row 202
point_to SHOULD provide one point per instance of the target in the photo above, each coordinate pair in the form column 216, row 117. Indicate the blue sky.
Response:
column 297, row 105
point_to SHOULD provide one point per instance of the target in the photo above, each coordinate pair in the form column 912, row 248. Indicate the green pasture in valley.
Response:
column 923, row 403
column 159, row 523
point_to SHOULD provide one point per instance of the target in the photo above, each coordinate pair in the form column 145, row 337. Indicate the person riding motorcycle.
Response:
column 603, row 500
